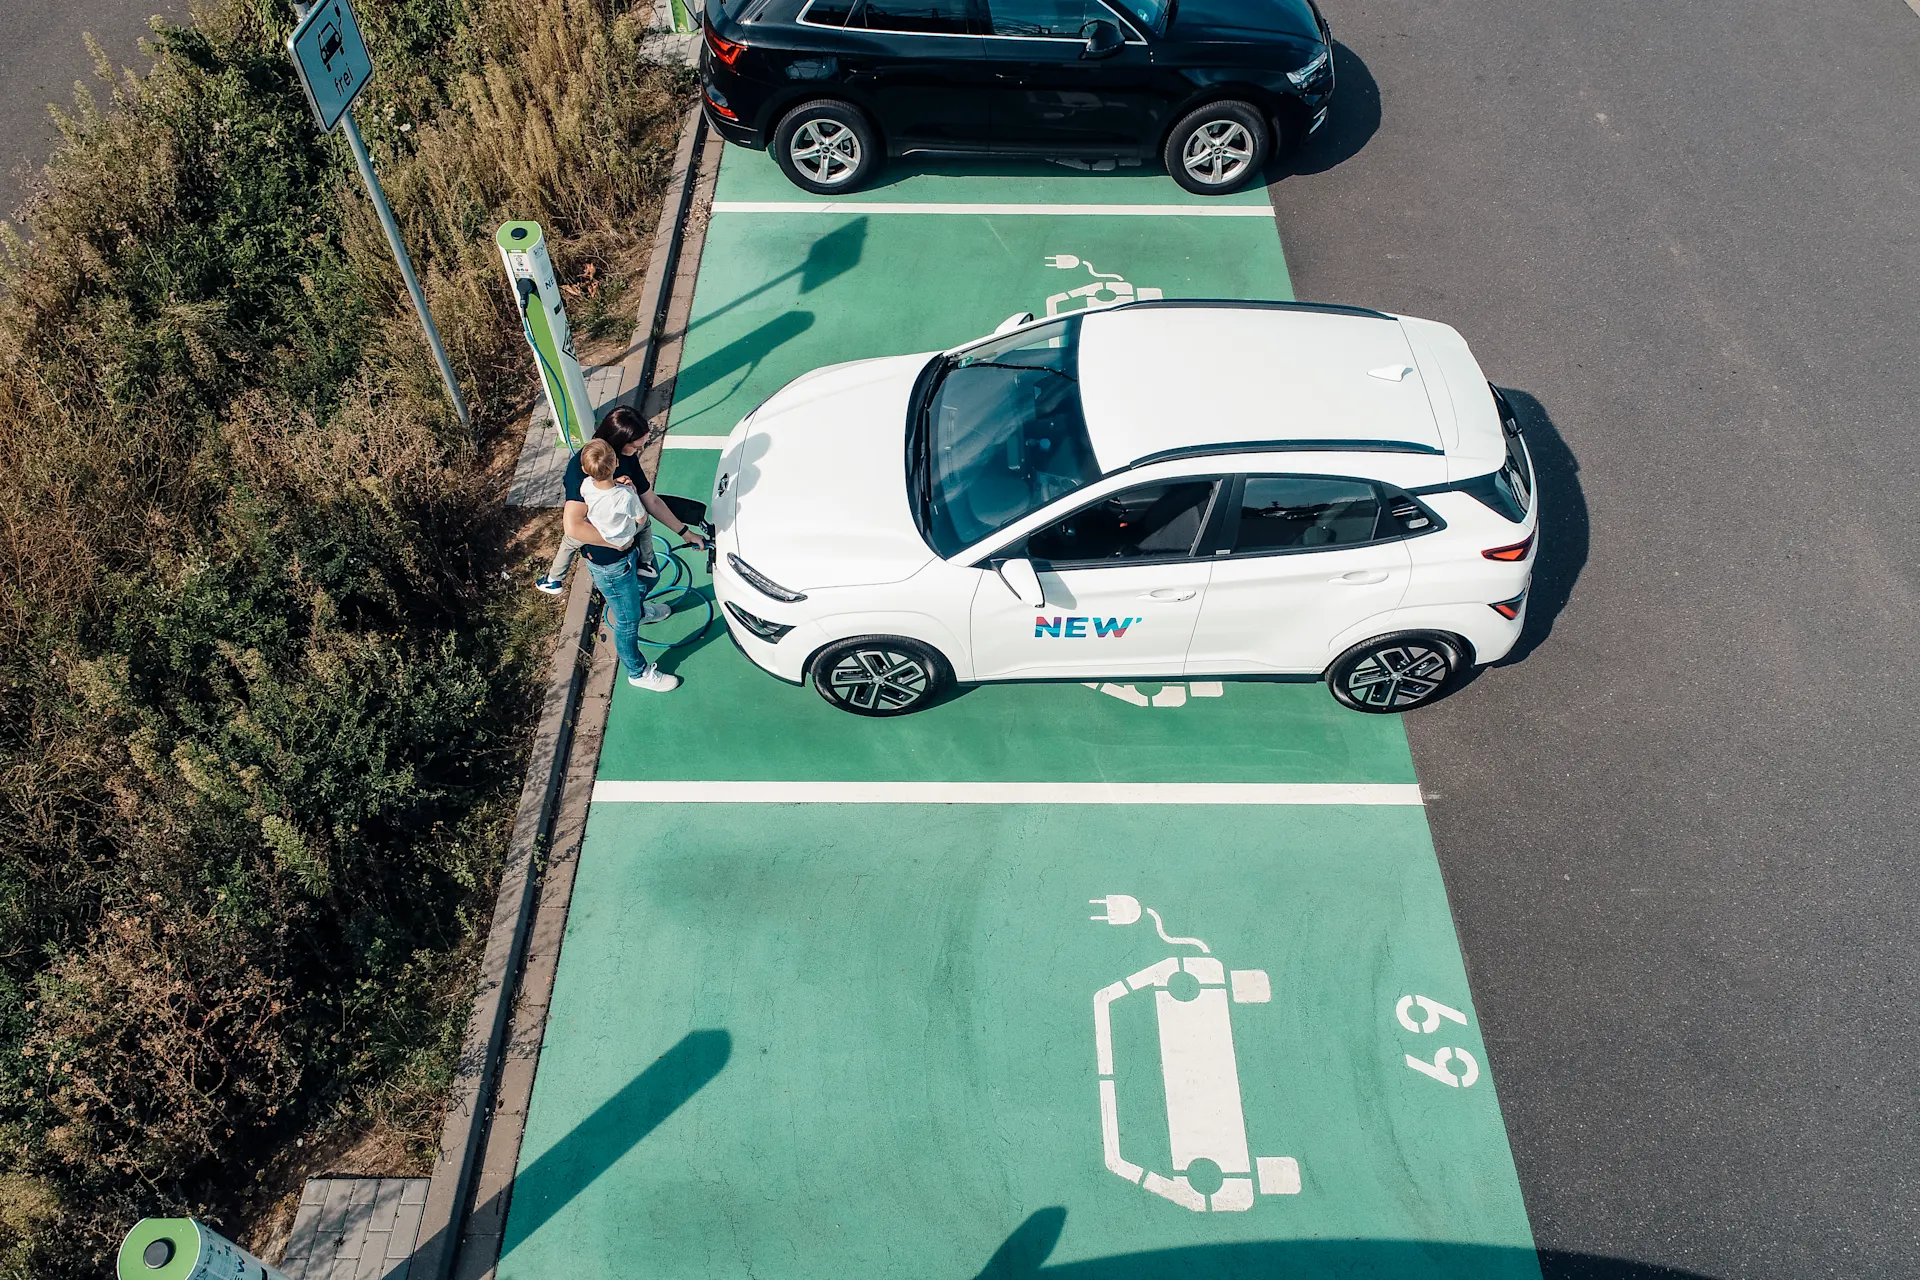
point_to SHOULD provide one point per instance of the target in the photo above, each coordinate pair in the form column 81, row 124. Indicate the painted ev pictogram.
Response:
column 1206, row 1120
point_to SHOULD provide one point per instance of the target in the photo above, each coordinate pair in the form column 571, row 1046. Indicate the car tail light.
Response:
column 728, row 51
column 1509, row 608
column 1513, row 552
column 719, row 103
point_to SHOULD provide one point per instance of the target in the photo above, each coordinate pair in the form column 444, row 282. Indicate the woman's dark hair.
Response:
column 621, row 428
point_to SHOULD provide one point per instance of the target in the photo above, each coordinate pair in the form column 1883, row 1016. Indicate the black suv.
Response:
column 1210, row 87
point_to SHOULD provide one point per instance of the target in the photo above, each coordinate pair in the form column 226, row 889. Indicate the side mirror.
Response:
column 1103, row 39
column 1013, row 322
column 1023, row 582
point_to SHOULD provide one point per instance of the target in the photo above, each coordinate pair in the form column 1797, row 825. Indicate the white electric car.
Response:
column 1160, row 491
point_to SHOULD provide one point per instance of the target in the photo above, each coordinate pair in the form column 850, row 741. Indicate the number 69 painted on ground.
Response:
column 1431, row 1013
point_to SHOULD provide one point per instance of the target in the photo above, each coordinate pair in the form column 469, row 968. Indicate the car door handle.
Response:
column 1170, row 595
column 1361, row 577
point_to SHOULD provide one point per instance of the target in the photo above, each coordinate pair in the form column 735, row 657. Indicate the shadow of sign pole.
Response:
column 616, row 1127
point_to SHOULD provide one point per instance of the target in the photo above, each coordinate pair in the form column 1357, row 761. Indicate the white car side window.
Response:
column 1300, row 513
column 1161, row 521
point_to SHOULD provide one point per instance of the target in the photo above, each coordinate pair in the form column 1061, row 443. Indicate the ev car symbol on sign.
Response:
column 331, row 58
column 1205, row 1118
column 1439, row 1068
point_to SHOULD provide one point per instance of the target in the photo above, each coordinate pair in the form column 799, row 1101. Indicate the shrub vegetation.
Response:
column 262, row 684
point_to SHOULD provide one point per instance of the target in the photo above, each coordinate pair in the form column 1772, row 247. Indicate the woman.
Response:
column 625, row 577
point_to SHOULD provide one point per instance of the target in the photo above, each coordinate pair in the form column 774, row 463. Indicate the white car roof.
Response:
column 1159, row 377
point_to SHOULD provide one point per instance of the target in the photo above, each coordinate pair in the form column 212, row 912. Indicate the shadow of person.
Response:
column 1564, row 531
column 572, row 1164
column 1026, row 1251
column 1351, row 122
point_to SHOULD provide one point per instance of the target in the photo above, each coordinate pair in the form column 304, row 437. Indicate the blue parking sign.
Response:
column 331, row 58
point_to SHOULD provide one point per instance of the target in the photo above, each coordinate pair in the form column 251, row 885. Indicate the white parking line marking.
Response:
column 1043, row 210
column 694, row 442
column 1269, row 793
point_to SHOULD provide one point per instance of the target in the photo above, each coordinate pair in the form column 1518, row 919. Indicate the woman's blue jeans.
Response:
column 625, row 588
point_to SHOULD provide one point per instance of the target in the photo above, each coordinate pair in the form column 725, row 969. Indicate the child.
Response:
column 613, row 505
column 622, row 512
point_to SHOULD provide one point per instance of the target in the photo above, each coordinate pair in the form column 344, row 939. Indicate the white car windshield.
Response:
column 997, row 433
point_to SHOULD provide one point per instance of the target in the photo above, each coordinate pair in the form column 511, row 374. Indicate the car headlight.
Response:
column 771, row 632
column 1311, row 72
column 762, row 583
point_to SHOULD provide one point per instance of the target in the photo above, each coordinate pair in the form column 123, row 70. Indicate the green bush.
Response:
column 263, row 688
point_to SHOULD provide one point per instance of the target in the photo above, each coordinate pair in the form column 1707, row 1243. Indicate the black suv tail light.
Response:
column 728, row 51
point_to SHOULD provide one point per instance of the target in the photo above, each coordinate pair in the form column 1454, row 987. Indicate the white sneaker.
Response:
column 655, row 680
column 655, row 610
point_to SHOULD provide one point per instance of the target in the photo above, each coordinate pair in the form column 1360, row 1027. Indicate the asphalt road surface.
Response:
column 42, row 53
column 1679, row 833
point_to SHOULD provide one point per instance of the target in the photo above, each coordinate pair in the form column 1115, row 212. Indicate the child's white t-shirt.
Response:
column 615, row 511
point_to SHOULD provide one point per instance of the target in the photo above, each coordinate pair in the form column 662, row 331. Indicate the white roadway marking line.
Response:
column 1044, row 210
column 1266, row 793
column 693, row 442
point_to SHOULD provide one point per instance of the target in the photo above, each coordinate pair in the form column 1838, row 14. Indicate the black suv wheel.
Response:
column 880, row 675
column 826, row 147
column 1397, row 672
column 1218, row 148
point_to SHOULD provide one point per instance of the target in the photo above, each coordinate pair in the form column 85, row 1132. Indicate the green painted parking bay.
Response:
column 985, row 991
column 886, row 1041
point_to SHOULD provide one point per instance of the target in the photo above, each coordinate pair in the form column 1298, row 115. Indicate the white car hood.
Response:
column 817, row 486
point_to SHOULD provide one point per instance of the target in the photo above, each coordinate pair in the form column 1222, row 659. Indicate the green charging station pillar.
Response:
column 183, row 1249
column 543, row 315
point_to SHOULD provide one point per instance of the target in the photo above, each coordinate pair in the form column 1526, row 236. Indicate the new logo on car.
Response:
column 1076, row 628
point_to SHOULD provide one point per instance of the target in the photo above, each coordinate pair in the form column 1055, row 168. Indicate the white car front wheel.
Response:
column 880, row 675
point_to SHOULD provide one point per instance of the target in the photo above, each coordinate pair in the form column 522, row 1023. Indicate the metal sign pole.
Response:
column 334, row 66
column 379, row 197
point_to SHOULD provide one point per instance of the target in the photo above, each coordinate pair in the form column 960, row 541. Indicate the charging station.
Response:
column 186, row 1249
column 543, row 318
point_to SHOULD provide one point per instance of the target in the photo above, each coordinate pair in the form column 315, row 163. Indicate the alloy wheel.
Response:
column 879, row 679
column 826, row 151
column 1218, row 152
column 1398, row 676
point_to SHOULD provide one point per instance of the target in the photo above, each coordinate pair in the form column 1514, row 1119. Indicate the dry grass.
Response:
column 262, row 687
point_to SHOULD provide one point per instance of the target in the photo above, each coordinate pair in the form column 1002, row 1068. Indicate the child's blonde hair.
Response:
column 598, row 460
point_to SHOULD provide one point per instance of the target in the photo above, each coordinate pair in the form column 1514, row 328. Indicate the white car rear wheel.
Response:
column 1397, row 672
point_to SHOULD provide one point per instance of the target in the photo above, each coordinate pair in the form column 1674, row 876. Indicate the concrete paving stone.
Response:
column 328, row 1231
column 386, row 1205
column 371, row 1262
column 406, row 1229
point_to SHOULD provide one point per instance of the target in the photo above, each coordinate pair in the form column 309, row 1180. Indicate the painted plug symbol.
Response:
column 1205, row 1118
